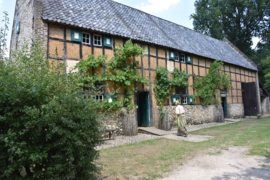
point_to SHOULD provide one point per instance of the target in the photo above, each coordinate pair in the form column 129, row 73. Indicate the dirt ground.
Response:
column 231, row 164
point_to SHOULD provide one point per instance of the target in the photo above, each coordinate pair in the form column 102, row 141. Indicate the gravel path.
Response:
column 122, row 140
column 232, row 164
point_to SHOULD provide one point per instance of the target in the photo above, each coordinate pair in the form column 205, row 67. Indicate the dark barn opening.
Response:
column 250, row 99
column 143, row 112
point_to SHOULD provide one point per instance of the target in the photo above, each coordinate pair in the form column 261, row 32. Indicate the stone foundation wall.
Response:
column 265, row 105
column 113, row 121
column 235, row 110
column 124, row 124
column 195, row 114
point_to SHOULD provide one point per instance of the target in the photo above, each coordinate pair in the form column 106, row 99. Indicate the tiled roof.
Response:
column 114, row 18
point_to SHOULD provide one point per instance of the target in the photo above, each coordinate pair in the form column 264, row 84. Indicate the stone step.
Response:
column 154, row 131
column 231, row 120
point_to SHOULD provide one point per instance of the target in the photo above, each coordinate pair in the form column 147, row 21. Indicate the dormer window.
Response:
column 97, row 40
column 86, row 38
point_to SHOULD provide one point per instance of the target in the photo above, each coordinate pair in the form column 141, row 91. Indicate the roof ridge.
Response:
column 164, row 19
column 118, row 19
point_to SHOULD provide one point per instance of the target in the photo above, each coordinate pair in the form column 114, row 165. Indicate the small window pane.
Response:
column 86, row 38
column 182, row 58
column 97, row 40
column 98, row 98
column 176, row 57
column 184, row 91
column 185, row 100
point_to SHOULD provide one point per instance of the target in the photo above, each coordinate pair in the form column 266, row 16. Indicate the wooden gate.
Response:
column 249, row 95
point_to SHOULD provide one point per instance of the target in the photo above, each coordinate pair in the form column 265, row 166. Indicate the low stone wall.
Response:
column 113, row 121
column 265, row 105
column 235, row 110
column 125, row 124
column 195, row 114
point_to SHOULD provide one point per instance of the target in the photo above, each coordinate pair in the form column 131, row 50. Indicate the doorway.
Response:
column 249, row 94
column 143, row 114
column 224, row 106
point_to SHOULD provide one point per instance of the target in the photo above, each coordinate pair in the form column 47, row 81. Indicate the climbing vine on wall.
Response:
column 117, row 70
column 208, row 85
column 164, row 84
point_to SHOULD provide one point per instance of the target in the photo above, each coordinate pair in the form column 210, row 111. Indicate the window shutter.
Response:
column 76, row 35
column 188, row 59
column 109, row 97
column 174, row 98
column 18, row 27
column 107, row 41
column 190, row 100
column 171, row 55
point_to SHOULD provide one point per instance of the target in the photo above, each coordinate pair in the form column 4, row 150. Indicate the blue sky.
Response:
column 177, row 11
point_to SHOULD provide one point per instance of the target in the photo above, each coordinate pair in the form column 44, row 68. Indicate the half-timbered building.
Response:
column 78, row 28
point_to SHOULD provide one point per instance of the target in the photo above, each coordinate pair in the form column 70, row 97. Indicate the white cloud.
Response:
column 1, row 1
column 157, row 5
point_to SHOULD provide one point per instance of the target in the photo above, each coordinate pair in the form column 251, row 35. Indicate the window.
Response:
column 18, row 23
column 181, row 94
column 182, row 58
column 171, row 55
column 98, row 89
column 185, row 101
column 99, row 98
column 86, row 38
column 76, row 35
column 176, row 56
column 97, row 40
column 107, row 41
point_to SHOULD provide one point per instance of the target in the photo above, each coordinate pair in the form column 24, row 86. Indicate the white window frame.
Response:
column 99, row 98
column 89, row 41
column 183, row 95
column 176, row 57
column 182, row 58
column 185, row 100
column 94, row 40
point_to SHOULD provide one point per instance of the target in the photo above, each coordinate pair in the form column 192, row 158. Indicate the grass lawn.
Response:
column 151, row 159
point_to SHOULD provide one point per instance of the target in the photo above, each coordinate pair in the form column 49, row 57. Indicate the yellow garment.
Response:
column 181, row 122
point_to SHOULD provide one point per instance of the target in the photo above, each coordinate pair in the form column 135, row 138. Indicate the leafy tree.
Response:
column 48, row 129
column 266, row 65
column 262, row 51
column 237, row 20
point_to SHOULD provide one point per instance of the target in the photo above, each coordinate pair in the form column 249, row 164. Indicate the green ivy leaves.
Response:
column 164, row 84
column 124, row 74
column 208, row 85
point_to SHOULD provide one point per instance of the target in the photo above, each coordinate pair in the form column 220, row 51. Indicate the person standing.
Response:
column 181, row 120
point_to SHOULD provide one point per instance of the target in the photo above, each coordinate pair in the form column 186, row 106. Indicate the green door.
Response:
column 143, row 109
column 224, row 105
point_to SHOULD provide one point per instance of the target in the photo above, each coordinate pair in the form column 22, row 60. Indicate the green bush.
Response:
column 48, row 130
